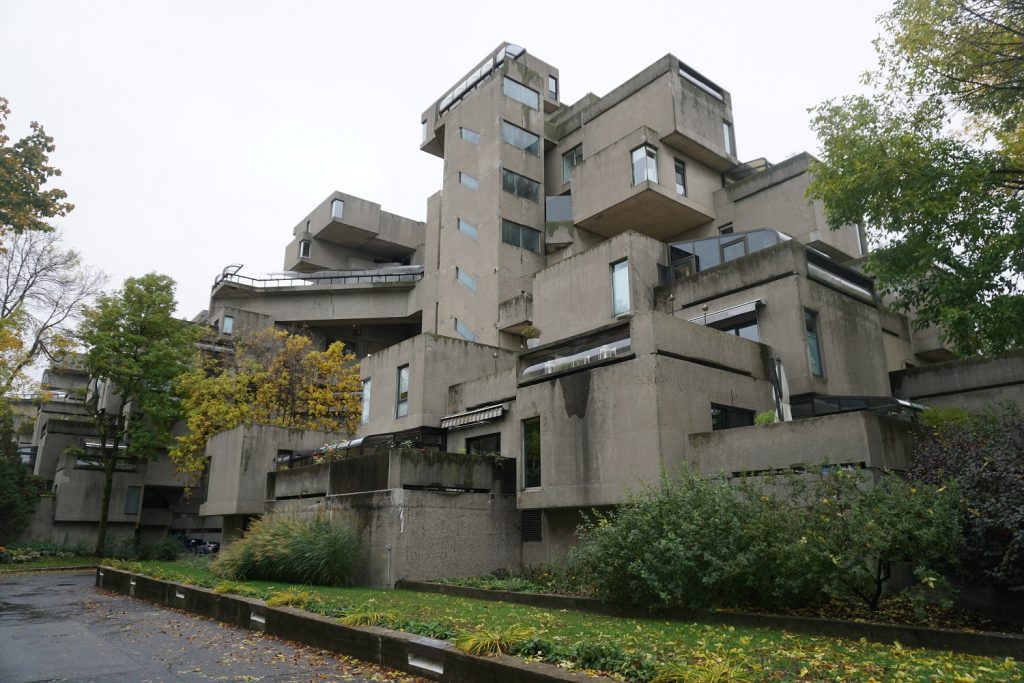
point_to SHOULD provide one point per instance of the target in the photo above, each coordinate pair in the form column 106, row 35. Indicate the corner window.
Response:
column 521, row 236
column 469, row 135
column 531, row 453
column 520, row 93
column 365, row 416
column 402, row 404
column 338, row 209
column 552, row 88
column 680, row 177
column 813, row 344
column 133, row 496
column 727, row 134
column 465, row 278
column 229, row 324
column 464, row 331
column 571, row 160
column 520, row 185
column 520, row 138
column 304, row 247
column 469, row 181
column 620, row 287
column 645, row 164
column 467, row 228
column 728, row 417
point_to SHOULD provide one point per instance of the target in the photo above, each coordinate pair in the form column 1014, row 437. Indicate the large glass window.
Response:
column 571, row 160
column 402, row 404
column 645, row 165
column 338, row 209
column 469, row 135
column 488, row 443
column 734, row 250
column 464, row 331
column 467, row 228
column 132, row 498
column 367, row 384
column 520, row 93
column 520, row 185
column 727, row 417
column 465, row 278
column 620, row 287
column 531, row 453
column 680, row 177
column 813, row 344
column 747, row 330
column 520, row 138
column 469, row 181
column 521, row 236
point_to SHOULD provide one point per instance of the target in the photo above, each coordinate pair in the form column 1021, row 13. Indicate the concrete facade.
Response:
column 675, row 290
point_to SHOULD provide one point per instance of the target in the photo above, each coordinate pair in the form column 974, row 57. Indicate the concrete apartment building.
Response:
column 678, row 292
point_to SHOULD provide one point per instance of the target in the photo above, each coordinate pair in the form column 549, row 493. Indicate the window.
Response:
column 531, row 453
column 367, row 384
column 520, row 93
column 734, row 250
column 552, row 88
column 132, row 499
column 520, row 236
column 304, row 247
column 813, row 345
column 727, row 134
column 571, row 160
column 520, row 185
column 464, row 330
column 488, row 443
column 727, row 417
column 425, row 129
column 467, row 228
column 469, row 181
column 520, row 138
column 645, row 165
column 337, row 209
column 469, row 135
column 725, row 229
column 465, row 278
column 229, row 324
column 620, row 287
column 402, row 405
column 747, row 330
column 680, row 177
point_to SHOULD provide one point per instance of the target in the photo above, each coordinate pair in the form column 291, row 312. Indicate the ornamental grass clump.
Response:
column 293, row 548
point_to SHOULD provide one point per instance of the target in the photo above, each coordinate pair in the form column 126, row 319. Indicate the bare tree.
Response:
column 43, row 288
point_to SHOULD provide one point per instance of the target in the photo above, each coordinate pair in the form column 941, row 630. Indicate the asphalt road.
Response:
column 57, row 627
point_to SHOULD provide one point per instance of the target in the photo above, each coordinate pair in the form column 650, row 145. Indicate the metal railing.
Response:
column 395, row 274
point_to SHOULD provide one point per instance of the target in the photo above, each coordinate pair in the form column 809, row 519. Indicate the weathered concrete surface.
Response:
column 57, row 627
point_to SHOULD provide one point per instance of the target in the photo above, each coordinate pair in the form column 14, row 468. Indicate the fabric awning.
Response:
column 472, row 417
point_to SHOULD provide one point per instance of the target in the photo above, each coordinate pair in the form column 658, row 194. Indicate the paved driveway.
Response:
column 57, row 627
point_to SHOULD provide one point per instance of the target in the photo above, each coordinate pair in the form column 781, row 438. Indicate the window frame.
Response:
column 516, row 185
column 571, row 160
column 228, row 324
column 402, row 396
column 364, row 410
column 533, row 148
column 552, row 87
column 528, row 482
column 812, row 334
column 462, row 329
column 466, row 228
column 469, row 135
column 520, row 230
column 620, row 278
column 337, row 215
column 650, row 166
column 680, row 169
column 128, row 500
column 517, row 91
column 473, row 185
column 727, row 134
column 467, row 280
column 305, row 247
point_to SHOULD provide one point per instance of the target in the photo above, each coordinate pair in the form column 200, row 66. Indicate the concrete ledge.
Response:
column 21, row 570
column 426, row 657
column 976, row 643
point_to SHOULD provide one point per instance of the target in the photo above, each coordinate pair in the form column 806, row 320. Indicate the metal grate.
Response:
column 531, row 525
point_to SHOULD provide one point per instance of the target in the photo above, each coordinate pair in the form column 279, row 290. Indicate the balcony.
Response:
column 516, row 313
column 353, row 279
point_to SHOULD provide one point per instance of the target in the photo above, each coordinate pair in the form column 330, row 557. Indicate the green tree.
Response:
column 135, row 348
column 943, row 203
column 271, row 377
column 19, row 489
column 24, row 170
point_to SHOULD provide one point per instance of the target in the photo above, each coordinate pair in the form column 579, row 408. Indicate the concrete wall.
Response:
column 975, row 384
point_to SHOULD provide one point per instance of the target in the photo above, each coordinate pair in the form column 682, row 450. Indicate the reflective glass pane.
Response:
column 337, row 209
column 734, row 250
column 468, row 229
column 530, row 239
column 620, row 287
column 707, row 253
column 761, row 239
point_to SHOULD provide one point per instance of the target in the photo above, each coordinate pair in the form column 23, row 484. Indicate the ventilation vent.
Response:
column 531, row 525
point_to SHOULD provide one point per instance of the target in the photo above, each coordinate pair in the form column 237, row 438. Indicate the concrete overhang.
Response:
column 649, row 211
column 361, row 238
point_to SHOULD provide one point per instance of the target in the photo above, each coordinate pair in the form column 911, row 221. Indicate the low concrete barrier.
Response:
column 976, row 643
column 426, row 657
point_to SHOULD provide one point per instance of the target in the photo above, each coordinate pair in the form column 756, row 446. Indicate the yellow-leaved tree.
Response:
column 269, row 377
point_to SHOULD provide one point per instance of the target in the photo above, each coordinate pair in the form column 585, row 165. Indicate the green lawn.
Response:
column 50, row 563
column 635, row 648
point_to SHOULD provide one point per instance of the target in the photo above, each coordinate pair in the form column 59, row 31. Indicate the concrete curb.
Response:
column 977, row 643
column 426, row 657
column 21, row 570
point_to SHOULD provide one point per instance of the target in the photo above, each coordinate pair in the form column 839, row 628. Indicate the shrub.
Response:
column 19, row 488
column 292, row 548
column 766, row 418
column 165, row 548
column 984, row 456
column 484, row 643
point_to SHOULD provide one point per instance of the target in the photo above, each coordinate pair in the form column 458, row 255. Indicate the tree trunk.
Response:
column 108, row 485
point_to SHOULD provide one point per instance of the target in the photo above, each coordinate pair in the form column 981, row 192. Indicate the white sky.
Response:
column 197, row 134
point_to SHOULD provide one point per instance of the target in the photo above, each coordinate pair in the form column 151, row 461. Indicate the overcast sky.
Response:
column 197, row 134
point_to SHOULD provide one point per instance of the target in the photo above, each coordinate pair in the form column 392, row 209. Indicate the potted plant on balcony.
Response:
column 532, row 336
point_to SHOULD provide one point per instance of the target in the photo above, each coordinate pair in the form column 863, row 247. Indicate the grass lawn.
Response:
column 636, row 649
column 50, row 563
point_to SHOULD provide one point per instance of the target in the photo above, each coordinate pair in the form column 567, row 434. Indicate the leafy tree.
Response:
column 19, row 489
column 984, row 456
column 24, row 170
column 42, row 292
column 944, row 204
column 136, row 347
column 270, row 377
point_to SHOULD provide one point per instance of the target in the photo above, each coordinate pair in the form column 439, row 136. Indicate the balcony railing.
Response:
column 394, row 274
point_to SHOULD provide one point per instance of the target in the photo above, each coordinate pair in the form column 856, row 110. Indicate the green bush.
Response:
column 293, row 548
column 165, row 548
column 766, row 418
column 19, row 488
